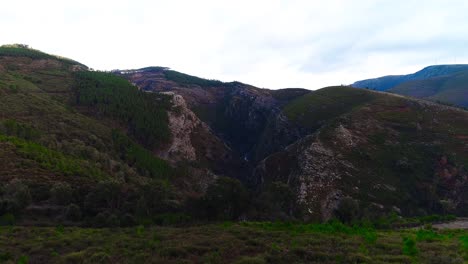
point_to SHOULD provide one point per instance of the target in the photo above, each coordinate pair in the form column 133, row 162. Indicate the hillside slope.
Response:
column 240, row 114
column 451, row 89
column 92, row 142
column 152, row 146
column 387, row 82
column 375, row 153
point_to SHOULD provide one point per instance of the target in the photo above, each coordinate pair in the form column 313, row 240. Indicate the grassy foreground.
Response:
column 231, row 243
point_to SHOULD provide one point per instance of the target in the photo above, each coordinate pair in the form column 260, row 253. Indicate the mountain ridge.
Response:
column 157, row 145
column 387, row 82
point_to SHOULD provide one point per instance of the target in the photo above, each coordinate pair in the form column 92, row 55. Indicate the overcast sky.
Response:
column 271, row 44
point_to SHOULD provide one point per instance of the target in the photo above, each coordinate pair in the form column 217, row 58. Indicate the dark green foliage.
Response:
column 154, row 199
column 21, row 50
column 111, row 96
column 286, row 95
column 276, row 202
column 143, row 160
column 13, row 128
column 61, row 193
column 245, row 242
column 18, row 192
column 348, row 210
column 170, row 219
column 409, row 247
column 8, row 205
column 185, row 79
column 100, row 220
column 105, row 195
column 7, row 219
column 428, row 235
column 111, row 203
column 314, row 109
column 23, row 260
column 127, row 220
column 4, row 257
column 113, row 221
column 73, row 212
column 53, row 160
column 226, row 199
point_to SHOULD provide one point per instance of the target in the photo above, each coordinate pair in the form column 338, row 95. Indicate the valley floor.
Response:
column 232, row 243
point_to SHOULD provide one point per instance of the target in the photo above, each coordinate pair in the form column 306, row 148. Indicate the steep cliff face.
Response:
column 381, row 151
column 193, row 141
column 246, row 118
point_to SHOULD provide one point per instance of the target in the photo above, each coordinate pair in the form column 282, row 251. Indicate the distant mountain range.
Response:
column 442, row 83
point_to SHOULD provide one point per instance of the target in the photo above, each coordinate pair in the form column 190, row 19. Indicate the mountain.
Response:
column 382, row 151
column 238, row 113
column 443, row 83
column 153, row 145
column 372, row 152
column 387, row 82
column 451, row 89
column 85, row 139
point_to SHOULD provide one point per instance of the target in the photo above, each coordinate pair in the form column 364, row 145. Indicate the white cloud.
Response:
column 274, row 43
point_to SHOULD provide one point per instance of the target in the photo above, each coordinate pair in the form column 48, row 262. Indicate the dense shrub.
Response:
column 409, row 247
column 142, row 159
column 348, row 210
column 53, row 160
column 276, row 202
column 7, row 219
column 113, row 221
column 73, row 212
column 61, row 193
column 155, row 199
column 144, row 114
column 127, row 220
column 100, row 220
column 185, row 79
column 13, row 128
column 22, row 50
column 226, row 199
column 8, row 206
column 105, row 195
column 17, row 192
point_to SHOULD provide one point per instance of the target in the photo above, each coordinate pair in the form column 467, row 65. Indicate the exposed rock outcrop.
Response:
column 183, row 124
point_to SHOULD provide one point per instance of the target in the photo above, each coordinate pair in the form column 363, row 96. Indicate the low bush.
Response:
column 7, row 220
column 61, row 193
column 18, row 192
column 73, row 213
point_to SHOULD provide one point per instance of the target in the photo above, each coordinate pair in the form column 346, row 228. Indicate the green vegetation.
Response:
column 450, row 89
column 21, row 50
column 13, row 128
column 314, row 109
column 185, row 79
column 137, row 156
column 286, row 95
column 231, row 243
column 225, row 199
column 144, row 114
column 53, row 160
